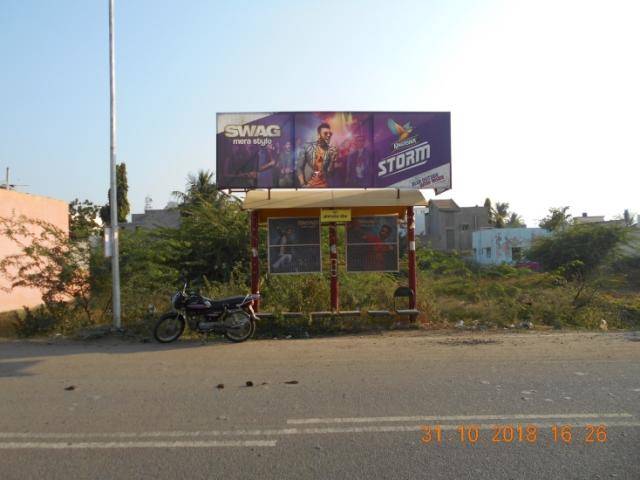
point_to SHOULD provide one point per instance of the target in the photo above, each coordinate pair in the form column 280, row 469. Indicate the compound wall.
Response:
column 15, row 204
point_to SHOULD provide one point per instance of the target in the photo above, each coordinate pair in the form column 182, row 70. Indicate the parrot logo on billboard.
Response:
column 402, row 131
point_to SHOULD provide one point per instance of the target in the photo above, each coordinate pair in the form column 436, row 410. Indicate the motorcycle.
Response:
column 233, row 316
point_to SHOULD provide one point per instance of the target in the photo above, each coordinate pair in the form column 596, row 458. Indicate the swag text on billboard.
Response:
column 334, row 150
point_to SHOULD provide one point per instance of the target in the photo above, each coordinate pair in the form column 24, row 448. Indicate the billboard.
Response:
column 294, row 245
column 408, row 150
column 372, row 244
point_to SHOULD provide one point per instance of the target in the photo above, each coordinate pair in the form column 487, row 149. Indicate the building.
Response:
column 420, row 215
column 450, row 227
column 584, row 218
column 14, row 204
column 504, row 245
column 150, row 219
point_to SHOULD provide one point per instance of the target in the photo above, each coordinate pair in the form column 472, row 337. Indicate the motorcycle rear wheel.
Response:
column 247, row 327
column 169, row 327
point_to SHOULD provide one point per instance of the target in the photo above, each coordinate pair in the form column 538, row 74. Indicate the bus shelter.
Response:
column 330, row 207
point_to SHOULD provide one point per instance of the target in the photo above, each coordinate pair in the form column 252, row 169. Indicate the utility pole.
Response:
column 115, row 261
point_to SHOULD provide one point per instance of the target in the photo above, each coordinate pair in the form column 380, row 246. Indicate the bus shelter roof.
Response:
column 264, row 199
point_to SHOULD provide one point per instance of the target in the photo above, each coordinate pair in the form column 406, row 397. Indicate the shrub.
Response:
column 32, row 322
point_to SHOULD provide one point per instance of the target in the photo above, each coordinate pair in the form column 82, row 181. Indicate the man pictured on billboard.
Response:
column 358, row 165
column 320, row 156
column 294, row 245
column 372, row 244
column 380, row 247
column 267, row 174
column 286, row 166
column 241, row 167
column 284, row 252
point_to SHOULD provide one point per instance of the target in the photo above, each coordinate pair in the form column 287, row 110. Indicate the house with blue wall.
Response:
column 494, row 246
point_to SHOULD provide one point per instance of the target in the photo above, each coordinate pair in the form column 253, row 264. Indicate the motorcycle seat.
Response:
column 227, row 302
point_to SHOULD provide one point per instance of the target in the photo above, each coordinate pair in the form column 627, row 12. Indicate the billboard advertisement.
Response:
column 372, row 244
column 408, row 150
column 294, row 245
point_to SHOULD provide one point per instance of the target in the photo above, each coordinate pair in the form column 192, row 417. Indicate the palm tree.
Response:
column 500, row 214
column 200, row 188
column 515, row 221
column 558, row 219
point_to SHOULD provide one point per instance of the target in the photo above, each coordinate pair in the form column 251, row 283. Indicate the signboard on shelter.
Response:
column 339, row 215
column 408, row 150
column 372, row 244
column 294, row 245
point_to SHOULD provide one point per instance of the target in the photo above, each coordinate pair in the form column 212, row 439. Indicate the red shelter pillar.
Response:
column 255, row 261
column 411, row 238
column 333, row 255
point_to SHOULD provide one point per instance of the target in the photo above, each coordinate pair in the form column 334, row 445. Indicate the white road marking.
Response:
column 93, row 445
column 270, row 443
column 530, row 419
column 435, row 418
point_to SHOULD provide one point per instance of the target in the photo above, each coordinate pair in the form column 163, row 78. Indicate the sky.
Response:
column 544, row 95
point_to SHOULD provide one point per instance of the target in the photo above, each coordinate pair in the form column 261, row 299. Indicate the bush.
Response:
column 32, row 322
column 442, row 263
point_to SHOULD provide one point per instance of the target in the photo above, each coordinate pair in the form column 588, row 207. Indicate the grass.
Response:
column 449, row 291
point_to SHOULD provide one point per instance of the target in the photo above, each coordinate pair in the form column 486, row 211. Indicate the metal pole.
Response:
column 255, row 263
column 411, row 238
column 115, row 263
column 333, row 255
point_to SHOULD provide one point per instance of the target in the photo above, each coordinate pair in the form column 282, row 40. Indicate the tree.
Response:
column 558, row 219
column 500, row 214
column 501, row 217
column 489, row 207
column 82, row 219
column 214, row 231
column 215, row 238
column 122, row 186
column 515, row 221
column 201, row 188
column 49, row 261
column 629, row 218
column 579, row 252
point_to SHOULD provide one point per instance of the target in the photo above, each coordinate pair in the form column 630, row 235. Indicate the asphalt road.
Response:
column 355, row 407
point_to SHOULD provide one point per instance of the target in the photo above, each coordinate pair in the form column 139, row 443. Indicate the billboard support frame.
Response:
column 333, row 255
column 255, row 260
column 411, row 239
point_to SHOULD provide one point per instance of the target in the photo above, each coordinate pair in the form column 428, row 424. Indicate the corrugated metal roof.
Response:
column 331, row 198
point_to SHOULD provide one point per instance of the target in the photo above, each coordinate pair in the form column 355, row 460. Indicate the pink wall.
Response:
column 14, row 204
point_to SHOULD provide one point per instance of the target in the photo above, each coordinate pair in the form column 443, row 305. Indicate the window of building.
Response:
column 487, row 252
column 516, row 254
column 464, row 226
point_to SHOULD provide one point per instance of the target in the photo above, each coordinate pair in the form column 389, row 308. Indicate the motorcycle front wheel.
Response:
column 239, row 326
column 169, row 327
